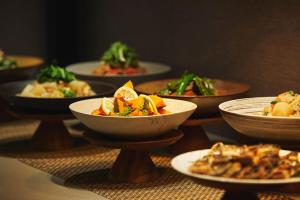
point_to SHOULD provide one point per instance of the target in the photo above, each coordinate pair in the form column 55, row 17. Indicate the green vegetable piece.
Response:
column 186, row 80
column 145, row 112
column 119, row 55
column 292, row 93
column 274, row 102
column 53, row 73
column 68, row 93
column 127, row 111
column 205, row 86
column 165, row 91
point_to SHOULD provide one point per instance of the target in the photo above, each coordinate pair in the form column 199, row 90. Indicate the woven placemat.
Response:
column 84, row 167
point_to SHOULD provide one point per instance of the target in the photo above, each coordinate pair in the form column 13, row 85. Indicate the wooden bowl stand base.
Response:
column 194, row 137
column 134, row 164
column 51, row 134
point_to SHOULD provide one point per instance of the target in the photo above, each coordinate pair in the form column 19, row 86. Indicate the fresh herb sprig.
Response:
column 119, row 55
column 54, row 73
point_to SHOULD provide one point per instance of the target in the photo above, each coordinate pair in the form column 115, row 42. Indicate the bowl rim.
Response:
column 254, row 116
column 247, row 88
column 132, row 117
column 218, row 179
column 167, row 69
column 40, row 62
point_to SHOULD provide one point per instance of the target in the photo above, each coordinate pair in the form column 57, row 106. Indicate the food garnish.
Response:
column 54, row 73
column 119, row 59
column 286, row 104
column 247, row 162
column 56, row 82
column 6, row 62
column 189, row 85
column 126, row 102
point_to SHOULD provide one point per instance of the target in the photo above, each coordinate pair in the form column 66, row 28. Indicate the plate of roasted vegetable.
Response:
column 132, row 116
column 118, row 64
column 251, row 166
column 272, row 118
column 206, row 93
column 52, row 91
column 13, row 67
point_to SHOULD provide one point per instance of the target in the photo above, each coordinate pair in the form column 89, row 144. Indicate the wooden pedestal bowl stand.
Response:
column 194, row 137
column 134, row 164
column 51, row 134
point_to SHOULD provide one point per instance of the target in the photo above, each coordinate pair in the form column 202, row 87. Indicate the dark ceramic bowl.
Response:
column 9, row 90
column 28, row 66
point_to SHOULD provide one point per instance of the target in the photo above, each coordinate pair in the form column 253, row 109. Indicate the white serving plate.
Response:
column 182, row 162
column 84, row 70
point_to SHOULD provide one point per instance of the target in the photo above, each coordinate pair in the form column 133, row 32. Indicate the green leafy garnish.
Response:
column 68, row 93
column 7, row 63
column 274, row 102
column 119, row 55
column 53, row 73
column 292, row 93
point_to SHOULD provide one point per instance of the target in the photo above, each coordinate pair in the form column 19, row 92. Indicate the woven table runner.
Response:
column 85, row 167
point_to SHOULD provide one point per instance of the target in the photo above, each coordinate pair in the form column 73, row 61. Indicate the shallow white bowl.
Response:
column 182, row 162
column 133, row 127
column 246, row 116
column 83, row 70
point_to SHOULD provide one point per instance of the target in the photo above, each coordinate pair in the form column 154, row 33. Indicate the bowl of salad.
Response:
column 52, row 91
column 16, row 67
column 269, row 118
column 205, row 92
column 118, row 64
column 132, row 116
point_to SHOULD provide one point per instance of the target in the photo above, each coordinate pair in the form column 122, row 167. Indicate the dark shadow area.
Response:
column 25, row 148
column 99, row 179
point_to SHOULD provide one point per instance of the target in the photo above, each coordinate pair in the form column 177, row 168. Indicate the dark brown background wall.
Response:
column 255, row 41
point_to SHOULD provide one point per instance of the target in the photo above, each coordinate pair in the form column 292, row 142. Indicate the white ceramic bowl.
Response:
column 133, row 127
column 245, row 116
column 182, row 162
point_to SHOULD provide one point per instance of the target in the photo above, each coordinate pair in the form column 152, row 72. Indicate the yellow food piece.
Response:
column 159, row 103
column 282, row 109
column 137, row 103
column 107, row 105
column 126, row 92
column 152, row 105
column 96, row 112
column 129, row 84
column 121, row 106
